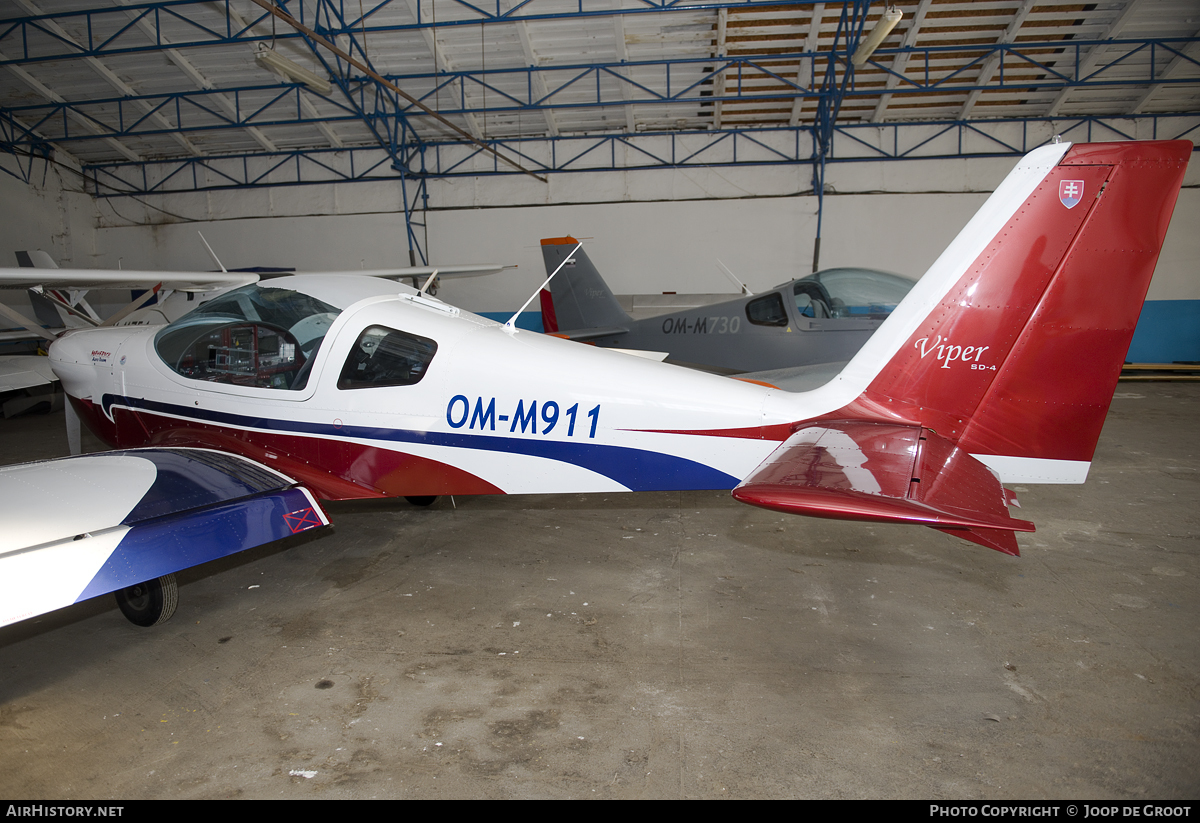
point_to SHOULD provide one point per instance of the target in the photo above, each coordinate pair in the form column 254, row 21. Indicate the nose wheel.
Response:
column 424, row 500
column 150, row 603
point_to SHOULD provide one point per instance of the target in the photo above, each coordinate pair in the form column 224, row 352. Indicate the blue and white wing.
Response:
column 83, row 526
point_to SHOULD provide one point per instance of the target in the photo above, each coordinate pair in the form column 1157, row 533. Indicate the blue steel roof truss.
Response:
column 282, row 106
column 106, row 24
column 29, row 131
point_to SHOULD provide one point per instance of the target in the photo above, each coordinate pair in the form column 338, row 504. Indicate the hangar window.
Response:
column 386, row 357
column 767, row 310
column 253, row 336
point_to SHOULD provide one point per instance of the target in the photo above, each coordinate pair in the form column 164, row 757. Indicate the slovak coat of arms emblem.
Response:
column 1070, row 192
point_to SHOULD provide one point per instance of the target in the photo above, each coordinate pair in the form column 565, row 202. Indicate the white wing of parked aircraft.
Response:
column 997, row 367
column 23, row 371
column 177, row 292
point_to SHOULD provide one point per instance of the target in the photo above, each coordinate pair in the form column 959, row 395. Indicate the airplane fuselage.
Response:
column 724, row 335
column 496, row 411
column 998, row 366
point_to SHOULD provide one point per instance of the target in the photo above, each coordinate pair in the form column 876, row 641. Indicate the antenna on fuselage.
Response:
column 213, row 254
column 509, row 327
column 741, row 286
column 428, row 282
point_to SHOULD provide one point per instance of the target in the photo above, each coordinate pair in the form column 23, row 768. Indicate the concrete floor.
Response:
column 648, row 646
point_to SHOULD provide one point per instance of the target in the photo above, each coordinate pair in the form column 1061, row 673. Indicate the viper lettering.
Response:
column 948, row 353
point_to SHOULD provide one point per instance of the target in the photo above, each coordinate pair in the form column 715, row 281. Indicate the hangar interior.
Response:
column 665, row 645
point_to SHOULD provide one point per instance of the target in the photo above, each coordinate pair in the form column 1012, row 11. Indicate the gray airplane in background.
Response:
column 820, row 319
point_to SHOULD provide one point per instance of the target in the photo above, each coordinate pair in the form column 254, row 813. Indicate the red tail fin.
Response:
column 1021, row 355
column 1004, row 355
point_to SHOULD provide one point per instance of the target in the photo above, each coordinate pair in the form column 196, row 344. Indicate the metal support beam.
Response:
column 900, row 62
column 996, row 60
column 719, row 81
column 1184, row 60
column 315, row 39
column 443, row 64
column 114, row 81
column 1089, row 61
column 623, row 73
column 539, row 81
column 195, row 23
column 833, row 90
column 806, row 71
column 53, row 96
column 783, row 146
column 305, row 103
column 418, row 202
column 149, row 26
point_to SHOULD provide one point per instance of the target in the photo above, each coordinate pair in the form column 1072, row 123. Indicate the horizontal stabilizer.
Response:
column 584, row 335
column 656, row 356
column 887, row 474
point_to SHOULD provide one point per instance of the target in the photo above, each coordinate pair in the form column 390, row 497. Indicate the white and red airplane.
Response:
column 998, row 367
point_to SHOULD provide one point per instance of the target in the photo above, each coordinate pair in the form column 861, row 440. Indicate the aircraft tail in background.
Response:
column 578, row 299
column 36, row 259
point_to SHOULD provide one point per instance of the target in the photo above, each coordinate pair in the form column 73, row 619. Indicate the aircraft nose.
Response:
column 79, row 358
column 70, row 349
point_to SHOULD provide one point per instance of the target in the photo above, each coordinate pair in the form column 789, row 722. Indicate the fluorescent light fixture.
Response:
column 883, row 27
column 275, row 62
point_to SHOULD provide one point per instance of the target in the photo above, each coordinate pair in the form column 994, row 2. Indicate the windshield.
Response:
column 257, row 335
column 850, row 292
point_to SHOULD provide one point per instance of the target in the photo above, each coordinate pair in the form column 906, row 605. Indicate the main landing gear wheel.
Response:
column 422, row 501
column 150, row 603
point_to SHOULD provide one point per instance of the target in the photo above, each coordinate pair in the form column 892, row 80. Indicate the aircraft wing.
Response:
column 24, row 371
column 26, row 278
column 885, row 473
column 444, row 272
column 84, row 526
column 584, row 335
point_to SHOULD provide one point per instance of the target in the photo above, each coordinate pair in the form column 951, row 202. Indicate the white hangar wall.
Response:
column 647, row 231
column 44, row 217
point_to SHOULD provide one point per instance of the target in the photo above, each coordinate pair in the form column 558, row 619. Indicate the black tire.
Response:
column 150, row 603
column 422, row 501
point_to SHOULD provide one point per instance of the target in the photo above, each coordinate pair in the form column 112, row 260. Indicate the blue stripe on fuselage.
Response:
column 636, row 469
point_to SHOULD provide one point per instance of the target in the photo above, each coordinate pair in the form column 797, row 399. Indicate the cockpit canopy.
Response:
column 850, row 292
column 258, row 336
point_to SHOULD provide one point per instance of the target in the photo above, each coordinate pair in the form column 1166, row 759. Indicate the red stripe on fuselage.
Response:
column 332, row 469
column 778, row 432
